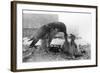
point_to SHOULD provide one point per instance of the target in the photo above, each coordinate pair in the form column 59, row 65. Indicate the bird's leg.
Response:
column 44, row 44
column 49, row 41
column 51, row 34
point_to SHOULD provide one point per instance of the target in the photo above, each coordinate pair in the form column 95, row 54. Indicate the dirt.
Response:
column 40, row 55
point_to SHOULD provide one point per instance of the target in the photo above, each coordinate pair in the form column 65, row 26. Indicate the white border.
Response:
column 21, row 65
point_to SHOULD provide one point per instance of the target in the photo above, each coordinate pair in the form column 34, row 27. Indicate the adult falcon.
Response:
column 48, row 31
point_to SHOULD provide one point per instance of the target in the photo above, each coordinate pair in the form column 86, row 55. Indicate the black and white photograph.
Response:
column 54, row 36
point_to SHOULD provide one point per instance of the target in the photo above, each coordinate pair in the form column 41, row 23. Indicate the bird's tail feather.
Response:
column 34, row 41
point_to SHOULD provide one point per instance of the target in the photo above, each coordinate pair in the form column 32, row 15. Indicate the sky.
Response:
column 79, row 24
